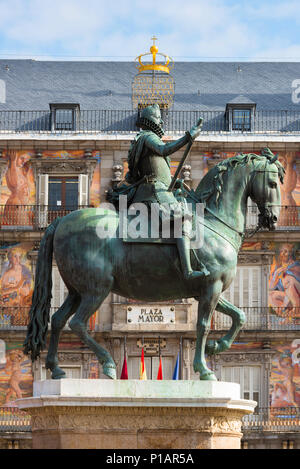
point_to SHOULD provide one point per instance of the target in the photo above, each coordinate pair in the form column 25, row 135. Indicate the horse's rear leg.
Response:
column 58, row 321
column 88, row 305
column 238, row 319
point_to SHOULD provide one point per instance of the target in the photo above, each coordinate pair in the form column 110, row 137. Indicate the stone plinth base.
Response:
column 105, row 414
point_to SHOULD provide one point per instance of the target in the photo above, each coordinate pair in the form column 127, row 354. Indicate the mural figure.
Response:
column 285, row 377
column 16, row 285
column 17, row 211
column 16, row 281
column 284, row 286
column 289, row 212
column 13, row 368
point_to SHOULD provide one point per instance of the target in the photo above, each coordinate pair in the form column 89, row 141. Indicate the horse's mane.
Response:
column 212, row 182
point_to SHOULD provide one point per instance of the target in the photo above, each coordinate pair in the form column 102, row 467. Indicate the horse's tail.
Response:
column 40, row 307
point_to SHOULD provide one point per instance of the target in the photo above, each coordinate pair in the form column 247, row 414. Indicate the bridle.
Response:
column 263, row 206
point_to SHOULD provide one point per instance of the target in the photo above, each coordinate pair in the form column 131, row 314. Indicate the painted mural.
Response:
column 15, row 375
column 285, row 375
column 17, row 190
column 18, row 187
column 16, row 285
column 284, row 284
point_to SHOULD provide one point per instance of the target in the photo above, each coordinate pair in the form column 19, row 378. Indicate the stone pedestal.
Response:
column 133, row 414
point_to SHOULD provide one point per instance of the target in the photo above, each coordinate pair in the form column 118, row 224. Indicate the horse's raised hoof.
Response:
column 110, row 371
column 208, row 376
column 58, row 373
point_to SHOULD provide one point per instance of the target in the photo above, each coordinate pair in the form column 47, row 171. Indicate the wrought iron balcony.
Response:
column 123, row 121
column 12, row 419
column 273, row 419
column 259, row 318
column 17, row 317
column 31, row 217
column 289, row 218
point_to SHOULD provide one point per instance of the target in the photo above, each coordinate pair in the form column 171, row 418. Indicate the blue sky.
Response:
column 120, row 30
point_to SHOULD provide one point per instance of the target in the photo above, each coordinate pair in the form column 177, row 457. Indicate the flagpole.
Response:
column 159, row 346
column 180, row 358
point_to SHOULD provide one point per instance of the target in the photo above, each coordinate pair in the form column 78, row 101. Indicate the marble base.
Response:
column 133, row 414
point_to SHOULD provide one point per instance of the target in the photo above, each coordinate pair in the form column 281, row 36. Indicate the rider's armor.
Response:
column 148, row 162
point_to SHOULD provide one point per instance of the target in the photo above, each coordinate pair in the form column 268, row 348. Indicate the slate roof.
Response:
column 32, row 85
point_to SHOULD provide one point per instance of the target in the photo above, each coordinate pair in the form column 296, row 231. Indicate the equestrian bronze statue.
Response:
column 92, row 266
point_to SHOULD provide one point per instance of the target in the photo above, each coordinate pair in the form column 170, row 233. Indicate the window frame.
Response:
column 229, row 116
column 54, row 107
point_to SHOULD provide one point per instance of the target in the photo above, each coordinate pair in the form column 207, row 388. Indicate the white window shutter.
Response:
column 83, row 192
column 43, row 200
column 249, row 378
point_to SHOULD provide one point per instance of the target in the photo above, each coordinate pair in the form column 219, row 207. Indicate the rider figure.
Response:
column 148, row 162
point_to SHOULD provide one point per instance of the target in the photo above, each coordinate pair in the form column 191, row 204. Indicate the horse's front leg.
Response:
column 238, row 319
column 206, row 306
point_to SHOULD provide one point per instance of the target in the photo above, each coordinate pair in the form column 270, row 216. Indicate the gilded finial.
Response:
column 159, row 67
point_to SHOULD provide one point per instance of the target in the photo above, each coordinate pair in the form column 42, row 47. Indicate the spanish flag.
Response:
column 143, row 374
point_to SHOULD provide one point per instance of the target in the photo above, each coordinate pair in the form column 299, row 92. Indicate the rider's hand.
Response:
column 196, row 129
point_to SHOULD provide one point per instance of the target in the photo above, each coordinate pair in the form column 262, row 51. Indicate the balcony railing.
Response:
column 123, row 121
column 31, row 217
column 273, row 419
column 13, row 419
column 289, row 218
column 17, row 317
column 259, row 318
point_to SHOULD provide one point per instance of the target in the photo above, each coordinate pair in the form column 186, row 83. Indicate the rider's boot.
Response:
column 183, row 245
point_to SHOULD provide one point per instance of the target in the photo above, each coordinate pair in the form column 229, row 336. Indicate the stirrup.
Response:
column 194, row 274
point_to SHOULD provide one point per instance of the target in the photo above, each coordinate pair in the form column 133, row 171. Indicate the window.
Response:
column 248, row 377
column 64, row 116
column 64, row 119
column 240, row 113
column 245, row 292
column 57, row 195
column 241, row 119
column 63, row 193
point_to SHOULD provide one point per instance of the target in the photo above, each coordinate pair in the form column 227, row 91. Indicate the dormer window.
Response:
column 241, row 119
column 64, row 116
column 240, row 113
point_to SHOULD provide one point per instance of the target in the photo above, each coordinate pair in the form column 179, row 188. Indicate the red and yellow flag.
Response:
column 143, row 374
column 160, row 373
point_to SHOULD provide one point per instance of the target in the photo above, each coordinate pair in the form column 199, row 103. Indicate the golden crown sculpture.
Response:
column 153, row 84
column 158, row 67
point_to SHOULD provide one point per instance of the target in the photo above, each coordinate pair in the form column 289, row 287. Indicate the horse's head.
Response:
column 265, row 181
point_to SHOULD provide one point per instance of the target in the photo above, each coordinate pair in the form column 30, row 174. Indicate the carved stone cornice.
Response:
column 246, row 257
column 207, row 420
column 244, row 357
column 64, row 166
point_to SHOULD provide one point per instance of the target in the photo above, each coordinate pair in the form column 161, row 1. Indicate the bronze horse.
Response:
column 92, row 267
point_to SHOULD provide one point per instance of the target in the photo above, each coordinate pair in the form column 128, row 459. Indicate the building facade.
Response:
column 65, row 131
